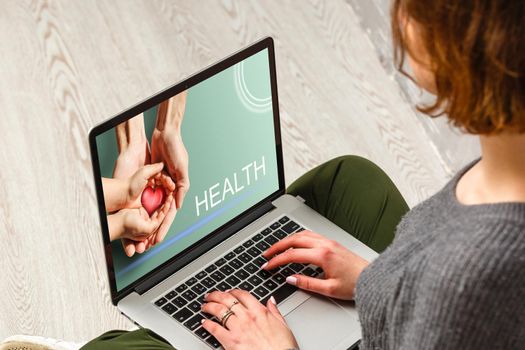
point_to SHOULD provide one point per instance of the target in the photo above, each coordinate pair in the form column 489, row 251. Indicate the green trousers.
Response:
column 351, row 191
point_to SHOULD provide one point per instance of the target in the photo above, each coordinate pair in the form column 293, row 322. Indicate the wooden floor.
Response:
column 67, row 65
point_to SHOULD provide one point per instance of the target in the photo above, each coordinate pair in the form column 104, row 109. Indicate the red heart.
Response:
column 152, row 199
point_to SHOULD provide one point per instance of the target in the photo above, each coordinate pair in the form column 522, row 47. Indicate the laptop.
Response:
column 236, row 208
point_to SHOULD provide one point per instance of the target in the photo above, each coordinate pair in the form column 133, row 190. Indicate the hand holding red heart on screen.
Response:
column 152, row 199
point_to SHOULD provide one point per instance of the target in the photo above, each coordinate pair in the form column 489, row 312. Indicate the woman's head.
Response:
column 471, row 55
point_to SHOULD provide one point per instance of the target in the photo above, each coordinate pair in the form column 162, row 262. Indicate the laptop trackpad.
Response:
column 319, row 323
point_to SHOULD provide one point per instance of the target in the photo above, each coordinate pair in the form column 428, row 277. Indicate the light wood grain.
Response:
column 67, row 65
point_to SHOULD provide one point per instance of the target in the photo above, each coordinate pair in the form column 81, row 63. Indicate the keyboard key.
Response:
column 189, row 295
column 169, row 308
column 248, row 243
column 242, row 274
column 162, row 301
column 236, row 264
column 259, row 261
column 257, row 237
column 254, row 252
column 227, row 270
column 229, row 256
column 283, row 292
column 262, row 245
column 319, row 270
column 271, row 240
column 202, row 333
column 198, row 288
column 280, row 234
column 195, row 306
column 270, row 285
column 194, row 322
column 213, row 342
column 299, row 229
column 179, row 301
column 255, row 280
column 220, row 262
column 191, row 281
column 287, row 272
column 181, row 288
column 251, row 268
column 245, row 257
column 217, row 276
column 245, row 286
column 210, row 268
column 275, row 225
column 183, row 315
column 201, row 274
column 264, row 274
column 284, row 220
column 208, row 282
column 309, row 272
column 261, row 291
column 233, row 281
column 171, row 295
column 290, row 227
column 239, row 249
column 296, row 267
column 278, row 278
column 223, row 286
column 266, row 231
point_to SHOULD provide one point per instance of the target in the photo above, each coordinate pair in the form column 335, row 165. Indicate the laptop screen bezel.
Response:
column 205, row 243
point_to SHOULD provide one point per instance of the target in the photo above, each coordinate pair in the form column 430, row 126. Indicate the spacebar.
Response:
column 281, row 293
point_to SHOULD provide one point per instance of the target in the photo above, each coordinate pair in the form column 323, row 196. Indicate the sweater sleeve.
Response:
column 469, row 303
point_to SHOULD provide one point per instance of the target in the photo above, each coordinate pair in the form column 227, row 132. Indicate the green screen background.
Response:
column 228, row 123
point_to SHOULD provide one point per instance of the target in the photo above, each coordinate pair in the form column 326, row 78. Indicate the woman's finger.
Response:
column 317, row 285
column 140, row 247
column 129, row 247
column 150, row 170
column 298, row 240
column 166, row 223
column 218, row 310
column 295, row 255
column 272, row 307
column 217, row 331
column 246, row 299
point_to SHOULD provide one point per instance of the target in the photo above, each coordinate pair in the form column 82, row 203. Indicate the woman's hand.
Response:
column 148, row 175
column 136, row 226
column 252, row 326
column 341, row 267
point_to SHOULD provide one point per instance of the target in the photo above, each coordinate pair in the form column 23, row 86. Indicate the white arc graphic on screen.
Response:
column 251, row 102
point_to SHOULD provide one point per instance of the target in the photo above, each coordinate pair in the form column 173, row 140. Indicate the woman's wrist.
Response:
column 116, row 226
column 131, row 133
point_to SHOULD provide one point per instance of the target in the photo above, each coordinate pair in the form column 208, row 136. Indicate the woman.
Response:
column 453, row 277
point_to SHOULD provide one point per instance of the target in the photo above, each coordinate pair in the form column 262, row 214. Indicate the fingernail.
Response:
column 272, row 300
column 206, row 295
column 202, row 321
column 264, row 265
column 291, row 280
column 227, row 291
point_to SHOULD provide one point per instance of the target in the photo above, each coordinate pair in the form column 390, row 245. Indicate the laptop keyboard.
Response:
column 238, row 268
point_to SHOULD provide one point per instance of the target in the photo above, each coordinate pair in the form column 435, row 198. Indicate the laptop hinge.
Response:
column 204, row 247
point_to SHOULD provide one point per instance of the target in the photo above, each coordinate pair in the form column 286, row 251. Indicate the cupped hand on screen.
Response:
column 147, row 175
column 251, row 326
column 341, row 267
column 139, row 226
column 132, row 158
column 167, row 147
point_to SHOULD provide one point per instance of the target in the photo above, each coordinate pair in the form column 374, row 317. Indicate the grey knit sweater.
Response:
column 454, row 278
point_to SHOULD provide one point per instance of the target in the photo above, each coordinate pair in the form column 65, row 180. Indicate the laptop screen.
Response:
column 215, row 143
